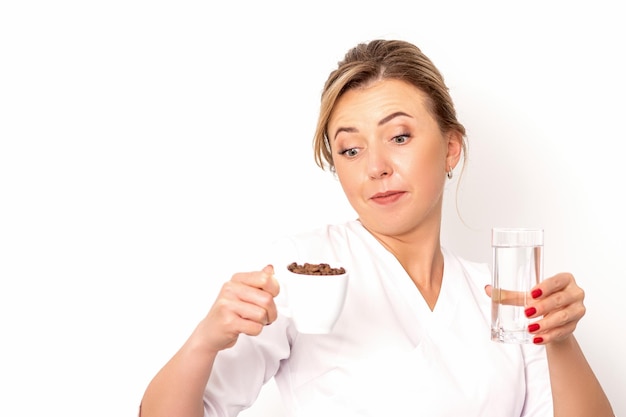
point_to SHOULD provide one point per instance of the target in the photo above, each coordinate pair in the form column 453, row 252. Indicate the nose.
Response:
column 378, row 164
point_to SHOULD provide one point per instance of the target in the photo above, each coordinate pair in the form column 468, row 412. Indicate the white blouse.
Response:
column 388, row 354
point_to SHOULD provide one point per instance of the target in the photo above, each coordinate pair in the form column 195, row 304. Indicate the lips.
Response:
column 387, row 197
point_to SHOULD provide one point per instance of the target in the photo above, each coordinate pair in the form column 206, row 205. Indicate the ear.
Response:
column 455, row 148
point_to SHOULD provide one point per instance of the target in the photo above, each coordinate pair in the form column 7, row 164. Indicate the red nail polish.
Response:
column 530, row 311
column 533, row 327
column 538, row 340
column 536, row 293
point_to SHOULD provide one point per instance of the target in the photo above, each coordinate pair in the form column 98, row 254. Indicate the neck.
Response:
column 420, row 255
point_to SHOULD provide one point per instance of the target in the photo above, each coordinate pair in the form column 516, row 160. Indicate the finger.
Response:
column 557, row 318
column 256, row 313
column 271, row 285
column 263, row 280
column 500, row 296
column 553, row 335
column 552, row 285
column 239, row 324
column 250, row 302
column 560, row 300
column 224, row 322
column 558, row 324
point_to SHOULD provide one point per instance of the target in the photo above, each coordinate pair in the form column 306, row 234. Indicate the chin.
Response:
column 385, row 228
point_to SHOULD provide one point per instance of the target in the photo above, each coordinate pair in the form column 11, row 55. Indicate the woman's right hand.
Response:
column 245, row 304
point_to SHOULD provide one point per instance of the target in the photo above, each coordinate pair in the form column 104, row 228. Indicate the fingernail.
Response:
column 530, row 311
column 536, row 293
column 533, row 327
column 538, row 340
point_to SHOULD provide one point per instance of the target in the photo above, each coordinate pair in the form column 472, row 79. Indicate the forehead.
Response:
column 377, row 100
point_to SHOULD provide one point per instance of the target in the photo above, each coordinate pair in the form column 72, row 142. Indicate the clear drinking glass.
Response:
column 517, row 267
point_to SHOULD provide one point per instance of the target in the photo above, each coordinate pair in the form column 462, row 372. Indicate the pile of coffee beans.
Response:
column 315, row 269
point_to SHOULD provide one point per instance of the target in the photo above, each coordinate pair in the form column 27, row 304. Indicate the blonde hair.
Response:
column 379, row 60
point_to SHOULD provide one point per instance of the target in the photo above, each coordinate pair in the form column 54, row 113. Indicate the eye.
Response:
column 350, row 152
column 400, row 139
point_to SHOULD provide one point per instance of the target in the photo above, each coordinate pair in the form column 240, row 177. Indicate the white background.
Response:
column 148, row 147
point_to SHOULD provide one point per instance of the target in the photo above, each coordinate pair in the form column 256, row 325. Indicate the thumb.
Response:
column 488, row 288
column 268, row 269
column 273, row 287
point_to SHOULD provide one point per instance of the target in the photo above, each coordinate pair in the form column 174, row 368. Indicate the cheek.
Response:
column 429, row 161
column 425, row 173
column 348, row 179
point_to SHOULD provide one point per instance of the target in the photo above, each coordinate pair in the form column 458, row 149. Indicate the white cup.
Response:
column 313, row 302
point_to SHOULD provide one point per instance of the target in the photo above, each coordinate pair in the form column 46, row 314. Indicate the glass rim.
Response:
column 517, row 229
column 516, row 236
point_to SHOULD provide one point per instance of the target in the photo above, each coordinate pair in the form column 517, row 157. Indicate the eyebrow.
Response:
column 382, row 121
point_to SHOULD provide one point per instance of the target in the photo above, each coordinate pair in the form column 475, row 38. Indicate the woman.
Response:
column 412, row 336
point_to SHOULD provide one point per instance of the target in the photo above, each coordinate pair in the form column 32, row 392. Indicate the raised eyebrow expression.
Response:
column 381, row 122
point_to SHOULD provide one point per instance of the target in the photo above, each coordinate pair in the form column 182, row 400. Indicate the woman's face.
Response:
column 391, row 157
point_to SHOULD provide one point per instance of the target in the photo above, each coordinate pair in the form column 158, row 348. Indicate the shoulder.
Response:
column 329, row 234
column 327, row 231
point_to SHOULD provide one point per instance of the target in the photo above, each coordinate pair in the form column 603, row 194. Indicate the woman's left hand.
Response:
column 560, row 301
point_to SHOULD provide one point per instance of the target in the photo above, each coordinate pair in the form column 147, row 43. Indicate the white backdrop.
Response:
column 148, row 147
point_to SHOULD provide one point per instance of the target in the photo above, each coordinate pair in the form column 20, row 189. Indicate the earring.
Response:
column 449, row 173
